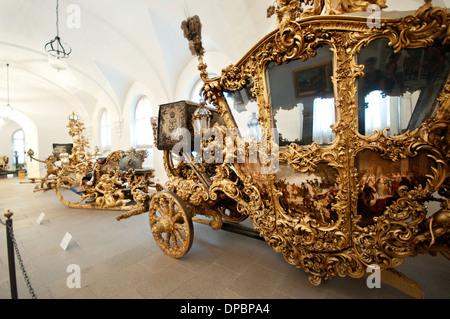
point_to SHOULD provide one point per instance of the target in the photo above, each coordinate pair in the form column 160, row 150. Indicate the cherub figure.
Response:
column 291, row 10
column 112, row 196
column 286, row 11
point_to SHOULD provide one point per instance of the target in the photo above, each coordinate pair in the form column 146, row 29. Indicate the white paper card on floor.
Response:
column 65, row 241
column 40, row 218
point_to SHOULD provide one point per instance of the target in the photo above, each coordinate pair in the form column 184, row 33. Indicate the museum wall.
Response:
column 41, row 129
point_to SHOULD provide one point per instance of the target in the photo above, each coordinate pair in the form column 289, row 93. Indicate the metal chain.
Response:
column 57, row 18
column 19, row 259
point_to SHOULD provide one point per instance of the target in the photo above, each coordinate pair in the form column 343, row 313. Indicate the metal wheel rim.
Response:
column 171, row 224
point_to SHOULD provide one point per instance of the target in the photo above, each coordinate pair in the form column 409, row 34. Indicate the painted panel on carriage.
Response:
column 311, row 193
column 379, row 179
column 130, row 162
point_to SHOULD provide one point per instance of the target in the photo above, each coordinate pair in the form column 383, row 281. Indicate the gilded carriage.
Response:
column 86, row 180
column 112, row 182
column 333, row 137
column 49, row 180
column 4, row 160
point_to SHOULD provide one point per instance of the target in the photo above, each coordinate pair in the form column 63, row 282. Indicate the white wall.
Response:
column 20, row 121
column 412, row 5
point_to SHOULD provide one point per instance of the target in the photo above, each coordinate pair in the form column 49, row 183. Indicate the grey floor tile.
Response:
column 120, row 259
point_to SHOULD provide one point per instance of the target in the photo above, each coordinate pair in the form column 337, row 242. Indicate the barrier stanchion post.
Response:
column 11, row 260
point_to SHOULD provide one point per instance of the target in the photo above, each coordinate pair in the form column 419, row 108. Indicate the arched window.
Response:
column 105, row 131
column 323, row 118
column 142, row 134
column 18, row 148
column 195, row 94
column 394, row 112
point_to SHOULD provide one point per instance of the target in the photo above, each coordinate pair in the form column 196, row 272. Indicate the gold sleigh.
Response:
column 85, row 180
column 331, row 199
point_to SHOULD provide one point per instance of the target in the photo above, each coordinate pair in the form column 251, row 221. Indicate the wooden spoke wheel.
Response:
column 171, row 224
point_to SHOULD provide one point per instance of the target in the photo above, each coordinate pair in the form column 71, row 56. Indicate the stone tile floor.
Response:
column 120, row 260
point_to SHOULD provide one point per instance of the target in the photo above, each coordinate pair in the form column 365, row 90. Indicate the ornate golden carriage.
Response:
column 349, row 148
column 4, row 160
column 49, row 180
column 113, row 182
column 95, row 182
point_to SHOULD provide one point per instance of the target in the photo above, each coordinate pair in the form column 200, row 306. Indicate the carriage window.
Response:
column 302, row 99
column 18, row 147
column 105, row 131
column 244, row 108
column 399, row 90
column 322, row 133
column 142, row 132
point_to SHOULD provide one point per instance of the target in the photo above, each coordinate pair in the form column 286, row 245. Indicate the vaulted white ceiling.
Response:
column 116, row 43
column 119, row 43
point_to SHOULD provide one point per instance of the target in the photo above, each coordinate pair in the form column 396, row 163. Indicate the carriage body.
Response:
column 87, row 180
column 335, row 199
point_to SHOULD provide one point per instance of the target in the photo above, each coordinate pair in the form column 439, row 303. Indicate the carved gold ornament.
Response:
column 49, row 180
column 115, row 182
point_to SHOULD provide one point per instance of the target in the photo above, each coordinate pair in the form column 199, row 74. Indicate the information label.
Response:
column 40, row 218
column 65, row 241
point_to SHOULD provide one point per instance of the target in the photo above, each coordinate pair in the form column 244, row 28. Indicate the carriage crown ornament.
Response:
column 331, row 134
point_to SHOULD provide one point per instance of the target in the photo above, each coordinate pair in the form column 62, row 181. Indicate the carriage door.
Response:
column 312, row 182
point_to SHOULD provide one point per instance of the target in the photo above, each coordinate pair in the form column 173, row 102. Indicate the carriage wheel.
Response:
column 171, row 224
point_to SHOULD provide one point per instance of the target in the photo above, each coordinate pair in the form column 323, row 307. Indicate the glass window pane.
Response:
column 18, row 147
column 302, row 99
column 143, row 130
column 322, row 133
column 244, row 108
column 105, row 130
column 399, row 90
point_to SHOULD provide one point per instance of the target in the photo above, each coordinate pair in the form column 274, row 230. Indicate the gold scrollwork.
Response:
column 342, row 246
